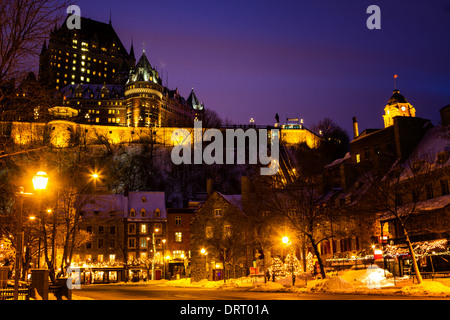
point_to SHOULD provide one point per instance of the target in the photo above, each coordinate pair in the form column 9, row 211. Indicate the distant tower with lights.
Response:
column 397, row 106
column 144, row 93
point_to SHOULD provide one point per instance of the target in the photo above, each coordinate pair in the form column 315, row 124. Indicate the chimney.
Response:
column 355, row 128
column 209, row 186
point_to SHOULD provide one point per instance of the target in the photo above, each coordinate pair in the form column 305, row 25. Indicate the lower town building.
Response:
column 122, row 232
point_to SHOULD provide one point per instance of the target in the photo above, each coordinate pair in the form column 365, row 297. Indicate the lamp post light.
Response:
column 203, row 252
column 40, row 180
column 164, row 260
column 154, row 252
column 287, row 242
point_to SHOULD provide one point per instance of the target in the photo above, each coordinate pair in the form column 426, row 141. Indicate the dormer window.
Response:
column 132, row 213
column 144, row 200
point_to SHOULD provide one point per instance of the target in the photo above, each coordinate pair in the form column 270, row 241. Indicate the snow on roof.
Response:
column 422, row 206
column 436, row 140
column 234, row 199
column 338, row 161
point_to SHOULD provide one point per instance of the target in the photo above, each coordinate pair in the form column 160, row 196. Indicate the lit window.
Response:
column 143, row 242
column 178, row 236
column 358, row 158
column 143, row 228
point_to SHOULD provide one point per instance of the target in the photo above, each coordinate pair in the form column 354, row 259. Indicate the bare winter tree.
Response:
column 400, row 195
column 23, row 27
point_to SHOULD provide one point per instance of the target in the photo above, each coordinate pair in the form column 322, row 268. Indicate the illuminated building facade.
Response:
column 92, row 54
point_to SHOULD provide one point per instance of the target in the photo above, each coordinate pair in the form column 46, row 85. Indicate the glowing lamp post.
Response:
column 40, row 180
column 286, row 242
column 154, row 252
column 203, row 252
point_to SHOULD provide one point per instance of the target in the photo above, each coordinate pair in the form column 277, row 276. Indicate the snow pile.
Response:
column 184, row 282
column 333, row 284
column 432, row 288
column 268, row 286
column 373, row 277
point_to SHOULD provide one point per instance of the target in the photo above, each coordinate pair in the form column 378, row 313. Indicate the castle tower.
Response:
column 196, row 106
column 397, row 106
column 143, row 94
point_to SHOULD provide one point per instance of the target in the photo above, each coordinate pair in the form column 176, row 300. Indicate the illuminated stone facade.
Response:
column 397, row 106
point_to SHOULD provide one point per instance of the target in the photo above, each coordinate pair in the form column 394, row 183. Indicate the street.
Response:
column 152, row 292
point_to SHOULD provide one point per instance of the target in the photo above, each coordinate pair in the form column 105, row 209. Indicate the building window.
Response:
column 132, row 213
column 178, row 220
column 89, row 229
column 227, row 230
column 444, row 187
column 112, row 257
column 143, row 243
column 143, row 229
column 178, row 236
column 112, row 230
column 100, row 243
column 112, row 243
column 209, row 232
column 367, row 153
column 88, row 245
column 132, row 228
column 217, row 212
column 178, row 254
column 143, row 213
column 157, row 213
column 100, row 230
column 144, row 199
column 132, row 243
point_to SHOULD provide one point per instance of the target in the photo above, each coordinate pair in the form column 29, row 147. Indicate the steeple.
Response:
column 132, row 50
column 193, row 101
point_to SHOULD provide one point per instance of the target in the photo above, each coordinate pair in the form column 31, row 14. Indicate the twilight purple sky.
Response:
column 311, row 59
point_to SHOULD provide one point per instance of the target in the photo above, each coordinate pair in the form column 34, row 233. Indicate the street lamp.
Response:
column 286, row 242
column 40, row 180
column 164, row 261
column 203, row 251
column 154, row 252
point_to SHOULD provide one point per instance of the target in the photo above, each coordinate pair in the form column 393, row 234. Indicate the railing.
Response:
column 432, row 275
column 8, row 294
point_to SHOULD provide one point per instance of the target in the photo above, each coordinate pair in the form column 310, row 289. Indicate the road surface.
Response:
column 150, row 292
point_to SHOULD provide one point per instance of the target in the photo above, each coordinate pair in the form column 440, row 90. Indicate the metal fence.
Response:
column 8, row 294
